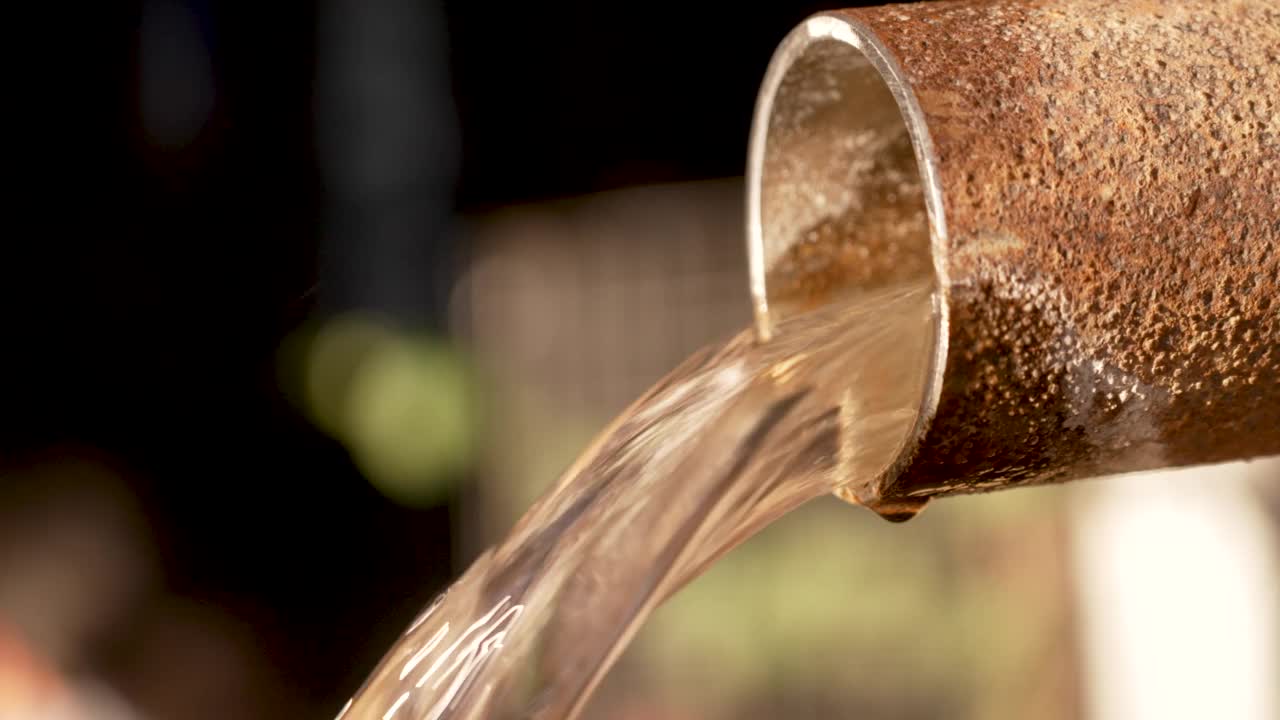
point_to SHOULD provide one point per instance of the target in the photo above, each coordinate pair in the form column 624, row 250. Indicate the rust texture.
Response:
column 1111, row 183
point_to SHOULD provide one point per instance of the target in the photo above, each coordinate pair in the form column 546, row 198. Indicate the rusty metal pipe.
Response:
column 1093, row 189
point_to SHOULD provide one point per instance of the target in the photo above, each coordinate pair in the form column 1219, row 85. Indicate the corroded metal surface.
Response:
column 1110, row 182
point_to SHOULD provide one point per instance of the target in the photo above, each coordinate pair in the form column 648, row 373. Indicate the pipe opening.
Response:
column 842, row 186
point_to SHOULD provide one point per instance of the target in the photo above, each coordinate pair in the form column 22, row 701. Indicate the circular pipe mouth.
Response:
column 841, row 166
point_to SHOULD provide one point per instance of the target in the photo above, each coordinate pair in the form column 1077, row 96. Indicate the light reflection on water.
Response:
column 734, row 438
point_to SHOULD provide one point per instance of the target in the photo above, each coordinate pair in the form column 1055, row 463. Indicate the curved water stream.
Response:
column 732, row 439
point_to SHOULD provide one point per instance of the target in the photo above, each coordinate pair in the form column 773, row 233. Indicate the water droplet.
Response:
column 900, row 510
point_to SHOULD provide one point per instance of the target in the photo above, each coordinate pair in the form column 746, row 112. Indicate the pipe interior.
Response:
column 840, row 189
column 841, row 200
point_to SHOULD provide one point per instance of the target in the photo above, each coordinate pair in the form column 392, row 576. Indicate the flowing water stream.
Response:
column 729, row 441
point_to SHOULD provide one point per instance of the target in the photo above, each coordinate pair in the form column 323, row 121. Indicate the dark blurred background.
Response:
column 211, row 177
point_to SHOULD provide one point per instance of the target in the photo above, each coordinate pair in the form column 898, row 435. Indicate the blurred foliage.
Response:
column 403, row 403
column 833, row 602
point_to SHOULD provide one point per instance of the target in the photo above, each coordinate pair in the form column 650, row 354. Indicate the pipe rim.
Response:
column 838, row 27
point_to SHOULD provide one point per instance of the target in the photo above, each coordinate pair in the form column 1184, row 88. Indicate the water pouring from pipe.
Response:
column 982, row 256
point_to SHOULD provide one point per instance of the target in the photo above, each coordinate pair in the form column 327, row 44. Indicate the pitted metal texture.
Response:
column 1110, row 174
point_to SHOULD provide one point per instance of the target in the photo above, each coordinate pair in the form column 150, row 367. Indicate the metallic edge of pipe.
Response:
column 832, row 26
